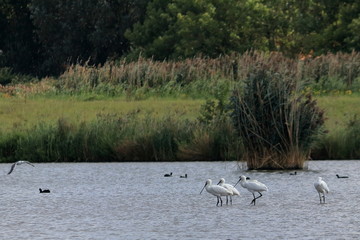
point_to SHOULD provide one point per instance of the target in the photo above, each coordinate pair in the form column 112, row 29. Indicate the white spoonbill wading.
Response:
column 252, row 186
column 18, row 163
column 230, row 188
column 322, row 188
column 215, row 190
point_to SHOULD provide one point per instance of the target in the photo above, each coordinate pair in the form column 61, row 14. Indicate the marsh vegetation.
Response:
column 170, row 110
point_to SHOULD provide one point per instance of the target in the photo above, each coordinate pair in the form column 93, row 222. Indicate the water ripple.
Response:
column 135, row 201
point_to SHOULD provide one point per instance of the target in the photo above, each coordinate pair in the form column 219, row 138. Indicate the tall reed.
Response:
column 192, row 76
column 147, row 73
column 130, row 137
column 275, row 119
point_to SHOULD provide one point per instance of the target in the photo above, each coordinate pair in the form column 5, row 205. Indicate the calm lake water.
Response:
column 135, row 201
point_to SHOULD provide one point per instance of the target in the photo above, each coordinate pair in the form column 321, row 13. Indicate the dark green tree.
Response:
column 325, row 26
column 19, row 50
column 83, row 30
column 184, row 28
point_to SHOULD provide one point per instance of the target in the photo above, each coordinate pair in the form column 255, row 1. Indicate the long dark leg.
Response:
column 324, row 197
column 230, row 199
column 320, row 197
column 217, row 204
column 220, row 200
column 259, row 195
column 227, row 200
column 254, row 199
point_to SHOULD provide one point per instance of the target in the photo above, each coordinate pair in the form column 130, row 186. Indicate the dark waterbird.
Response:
column 168, row 175
column 294, row 173
column 185, row 176
column 44, row 191
column 19, row 163
column 337, row 175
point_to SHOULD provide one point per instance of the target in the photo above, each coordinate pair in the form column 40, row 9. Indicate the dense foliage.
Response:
column 278, row 120
column 42, row 37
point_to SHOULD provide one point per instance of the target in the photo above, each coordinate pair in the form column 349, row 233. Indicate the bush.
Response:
column 277, row 120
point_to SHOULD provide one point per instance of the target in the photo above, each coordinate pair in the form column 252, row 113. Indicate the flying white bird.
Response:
column 252, row 186
column 216, row 190
column 19, row 163
column 230, row 188
column 322, row 188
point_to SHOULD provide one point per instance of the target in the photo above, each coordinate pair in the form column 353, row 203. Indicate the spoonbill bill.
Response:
column 252, row 186
column 216, row 190
column 322, row 188
column 19, row 163
column 230, row 188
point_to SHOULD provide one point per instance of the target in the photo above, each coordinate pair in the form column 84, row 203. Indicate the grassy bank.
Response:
column 156, row 111
column 158, row 129
column 339, row 109
column 24, row 113
column 18, row 113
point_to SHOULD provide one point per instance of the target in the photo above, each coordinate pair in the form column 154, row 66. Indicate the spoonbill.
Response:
column 19, row 163
column 322, row 188
column 230, row 188
column 168, row 175
column 215, row 190
column 252, row 186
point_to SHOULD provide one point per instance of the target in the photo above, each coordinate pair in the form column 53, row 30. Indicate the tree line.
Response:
column 42, row 37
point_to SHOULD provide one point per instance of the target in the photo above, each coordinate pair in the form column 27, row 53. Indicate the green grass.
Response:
column 339, row 109
column 84, row 128
column 20, row 113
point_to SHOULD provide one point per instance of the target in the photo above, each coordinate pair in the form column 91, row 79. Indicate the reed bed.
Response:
column 277, row 119
column 324, row 72
column 117, row 111
column 117, row 138
column 108, row 130
column 196, row 77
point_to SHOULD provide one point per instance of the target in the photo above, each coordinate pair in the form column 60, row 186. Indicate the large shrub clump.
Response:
column 276, row 119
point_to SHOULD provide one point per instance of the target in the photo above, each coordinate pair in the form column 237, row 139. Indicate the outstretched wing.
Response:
column 29, row 163
column 12, row 168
